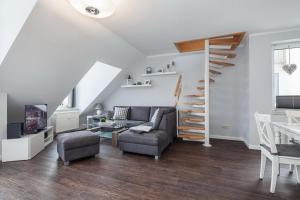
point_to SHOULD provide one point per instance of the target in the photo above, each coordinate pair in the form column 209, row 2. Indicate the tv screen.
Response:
column 35, row 118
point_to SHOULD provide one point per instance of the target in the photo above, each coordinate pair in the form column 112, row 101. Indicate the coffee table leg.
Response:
column 114, row 139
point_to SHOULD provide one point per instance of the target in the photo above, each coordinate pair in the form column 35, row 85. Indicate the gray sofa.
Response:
column 151, row 143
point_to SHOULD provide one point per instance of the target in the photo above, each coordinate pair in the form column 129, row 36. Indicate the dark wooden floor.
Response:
column 186, row 170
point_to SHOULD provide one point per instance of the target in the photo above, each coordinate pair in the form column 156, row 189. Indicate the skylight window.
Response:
column 93, row 83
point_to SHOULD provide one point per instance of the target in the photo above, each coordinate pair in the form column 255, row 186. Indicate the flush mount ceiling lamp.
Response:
column 94, row 8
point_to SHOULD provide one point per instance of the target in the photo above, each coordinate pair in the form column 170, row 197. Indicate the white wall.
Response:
column 229, row 93
column 229, row 99
column 162, row 90
column 260, row 74
column 13, row 14
column 93, row 83
column 55, row 48
column 3, row 118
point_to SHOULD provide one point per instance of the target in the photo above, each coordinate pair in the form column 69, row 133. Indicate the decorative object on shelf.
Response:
column 147, row 82
column 99, row 108
column 289, row 68
column 129, row 80
column 148, row 70
column 94, row 8
column 139, row 83
column 160, row 70
column 168, row 67
column 173, row 65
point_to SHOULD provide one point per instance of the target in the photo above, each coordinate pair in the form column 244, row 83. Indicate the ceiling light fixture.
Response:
column 94, row 8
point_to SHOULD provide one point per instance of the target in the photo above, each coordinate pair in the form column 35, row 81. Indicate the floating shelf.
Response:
column 160, row 74
column 135, row 86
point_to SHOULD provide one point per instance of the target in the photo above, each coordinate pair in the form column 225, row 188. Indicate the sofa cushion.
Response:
column 153, row 138
column 156, row 118
column 77, row 139
column 130, row 123
column 166, row 110
column 139, row 113
column 162, row 111
column 120, row 113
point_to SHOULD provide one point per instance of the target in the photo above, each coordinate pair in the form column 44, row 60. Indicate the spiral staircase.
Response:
column 193, row 109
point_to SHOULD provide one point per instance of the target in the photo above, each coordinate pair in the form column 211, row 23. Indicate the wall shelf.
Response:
column 160, row 74
column 135, row 86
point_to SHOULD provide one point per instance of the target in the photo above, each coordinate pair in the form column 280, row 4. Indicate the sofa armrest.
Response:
column 168, row 124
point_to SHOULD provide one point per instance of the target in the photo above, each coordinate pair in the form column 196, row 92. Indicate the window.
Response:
column 286, row 75
column 69, row 101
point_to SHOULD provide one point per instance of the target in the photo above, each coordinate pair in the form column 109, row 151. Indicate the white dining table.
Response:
column 285, row 131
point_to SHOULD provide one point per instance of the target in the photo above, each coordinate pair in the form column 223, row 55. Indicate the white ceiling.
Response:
column 153, row 25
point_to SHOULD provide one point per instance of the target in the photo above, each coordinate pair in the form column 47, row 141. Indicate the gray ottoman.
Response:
column 75, row 145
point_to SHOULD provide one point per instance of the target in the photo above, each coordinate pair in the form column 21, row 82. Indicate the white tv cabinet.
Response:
column 26, row 147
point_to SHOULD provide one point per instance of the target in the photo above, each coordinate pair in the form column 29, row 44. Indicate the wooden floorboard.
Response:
column 186, row 170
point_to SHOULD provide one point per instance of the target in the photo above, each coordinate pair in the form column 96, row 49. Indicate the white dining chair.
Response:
column 276, row 153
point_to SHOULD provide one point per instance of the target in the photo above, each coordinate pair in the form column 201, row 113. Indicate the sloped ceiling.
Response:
column 12, row 22
column 54, row 49
column 57, row 45
column 153, row 26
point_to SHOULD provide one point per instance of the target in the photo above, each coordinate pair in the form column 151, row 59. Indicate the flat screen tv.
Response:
column 35, row 118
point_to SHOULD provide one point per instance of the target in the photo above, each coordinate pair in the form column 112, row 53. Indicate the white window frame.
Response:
column 293, row 43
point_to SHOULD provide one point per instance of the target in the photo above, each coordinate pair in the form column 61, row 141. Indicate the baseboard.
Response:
column 223, row 137
column 251, row 146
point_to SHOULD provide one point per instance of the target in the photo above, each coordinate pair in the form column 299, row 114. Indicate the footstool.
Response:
column 75, row 145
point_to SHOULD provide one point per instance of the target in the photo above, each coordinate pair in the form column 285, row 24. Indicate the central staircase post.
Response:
column 206, row 93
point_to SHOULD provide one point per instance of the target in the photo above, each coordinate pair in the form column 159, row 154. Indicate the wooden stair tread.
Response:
column 223, row 53
column 218, row 67
column 223, row 41
column 185, row 127
column 221, row 63
column 210, row 80
column 214, row 71
column 220, row 47
column 195, row 95
column 232, row 40
column 200, row 88
column 192, row 111
column 191, row 136
column 194, row 103
column 192, row 119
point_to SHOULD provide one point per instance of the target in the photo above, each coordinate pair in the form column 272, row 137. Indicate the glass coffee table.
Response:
column 109, row 129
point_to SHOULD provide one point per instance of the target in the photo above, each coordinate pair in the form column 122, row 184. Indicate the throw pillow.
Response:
column 120, row 113
column 156, row 118
column 141, row 128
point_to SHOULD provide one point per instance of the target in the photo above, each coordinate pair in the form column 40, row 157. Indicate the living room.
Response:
column 128, row 99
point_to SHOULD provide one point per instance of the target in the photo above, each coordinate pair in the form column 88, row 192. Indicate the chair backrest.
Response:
column 293, row 116
column 266, row 136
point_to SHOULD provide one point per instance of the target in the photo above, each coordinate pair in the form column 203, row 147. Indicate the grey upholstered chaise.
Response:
column 75, row 145
column 154, row 142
